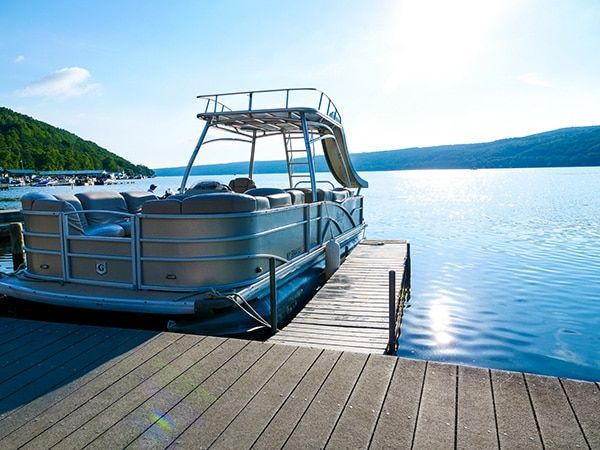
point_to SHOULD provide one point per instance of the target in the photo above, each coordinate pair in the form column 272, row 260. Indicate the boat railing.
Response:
column 286, row 98
column 312, row 214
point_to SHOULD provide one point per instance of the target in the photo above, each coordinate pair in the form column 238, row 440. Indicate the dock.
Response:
column 75, row 386
column 351, row 311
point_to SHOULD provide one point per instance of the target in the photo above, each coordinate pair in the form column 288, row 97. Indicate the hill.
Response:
column 565, row 147
column 43, row 147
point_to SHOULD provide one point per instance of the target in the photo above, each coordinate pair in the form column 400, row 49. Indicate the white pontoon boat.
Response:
column 202, row 256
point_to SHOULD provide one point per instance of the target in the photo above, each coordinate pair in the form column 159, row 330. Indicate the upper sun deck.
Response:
column 271, row 111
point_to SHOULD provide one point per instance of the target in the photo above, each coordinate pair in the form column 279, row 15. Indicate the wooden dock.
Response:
column 351, row 310
column 72, row 386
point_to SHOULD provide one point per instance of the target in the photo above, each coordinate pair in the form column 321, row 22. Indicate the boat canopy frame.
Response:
column 289, row 116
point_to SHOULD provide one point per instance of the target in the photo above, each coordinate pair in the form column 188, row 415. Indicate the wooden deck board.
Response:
column 585, row 401
column 476, row 426
column 517, row 426
column 558, row 425
column 353, row 302
column 400, row 406
column 117, row 388
column 437, row 413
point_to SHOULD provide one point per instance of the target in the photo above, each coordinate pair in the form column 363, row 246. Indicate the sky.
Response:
column 125, row 74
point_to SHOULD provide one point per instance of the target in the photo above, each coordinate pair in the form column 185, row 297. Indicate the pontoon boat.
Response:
column 202, row 256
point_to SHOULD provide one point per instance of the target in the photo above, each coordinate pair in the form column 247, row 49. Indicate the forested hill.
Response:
column 43, row 147
column 559, row 148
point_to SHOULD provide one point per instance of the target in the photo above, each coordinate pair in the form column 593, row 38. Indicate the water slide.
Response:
column 339, row 160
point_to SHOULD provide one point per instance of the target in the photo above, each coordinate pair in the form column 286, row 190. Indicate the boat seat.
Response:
column 77, row 222
column 168, row 206
column 104, row 200
column 263, row 192
column 242, row 184
column 322, row 194
column 55, row 205
column 136, row 199
column 28, row 199
column 122, row 229
column 206, row 187
column 297, row 196
column 340, row 194
column 74, row 201
column 220, row 203
column 278, row 198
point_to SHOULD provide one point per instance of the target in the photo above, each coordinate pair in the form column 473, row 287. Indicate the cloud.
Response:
column 19, row 59
column 534, row 79
column 67, row 82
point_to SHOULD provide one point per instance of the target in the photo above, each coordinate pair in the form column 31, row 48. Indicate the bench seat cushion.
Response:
column 75, row 203
column 168, row 206
column 134, row 200
column 106, row 230
column 28, row 199
column 297, row 196
column 105, row 200
column 218, row 203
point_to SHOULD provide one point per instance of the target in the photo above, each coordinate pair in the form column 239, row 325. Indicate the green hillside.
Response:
column 43, row 147
column 566, row 147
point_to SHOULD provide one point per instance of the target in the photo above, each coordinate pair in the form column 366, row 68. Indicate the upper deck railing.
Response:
column 288, row 98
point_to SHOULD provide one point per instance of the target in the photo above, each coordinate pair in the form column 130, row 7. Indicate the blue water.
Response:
column 505, row 263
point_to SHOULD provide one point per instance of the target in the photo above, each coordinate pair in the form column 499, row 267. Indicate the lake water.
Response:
column 505, row 263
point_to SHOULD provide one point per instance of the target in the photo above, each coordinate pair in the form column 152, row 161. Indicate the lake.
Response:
column 505, row 262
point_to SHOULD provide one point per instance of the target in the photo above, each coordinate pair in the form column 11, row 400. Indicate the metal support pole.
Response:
column 273, row 289
column 253, row 148
column 391, row 348
column 188, row 169
column 309, row 159
column 15, row 231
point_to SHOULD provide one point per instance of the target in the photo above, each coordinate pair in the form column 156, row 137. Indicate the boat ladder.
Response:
column 296, row 159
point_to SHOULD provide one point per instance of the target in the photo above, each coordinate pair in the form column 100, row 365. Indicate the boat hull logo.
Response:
column 101, row 267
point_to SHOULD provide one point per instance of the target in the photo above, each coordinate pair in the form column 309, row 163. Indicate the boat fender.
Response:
column 332, row 257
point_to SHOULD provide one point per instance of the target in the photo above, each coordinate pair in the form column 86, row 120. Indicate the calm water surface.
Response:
column 506, row 263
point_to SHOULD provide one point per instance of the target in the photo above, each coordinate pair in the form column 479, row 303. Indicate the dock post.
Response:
column 15, row 231
column 391, row 347
column 273, row 289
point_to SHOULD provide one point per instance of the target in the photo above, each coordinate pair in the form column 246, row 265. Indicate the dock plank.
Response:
column 437, row 413
column 585, row 401
column 558, row 425
column 476, row 427
column 398, row 417
column 517, row 426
